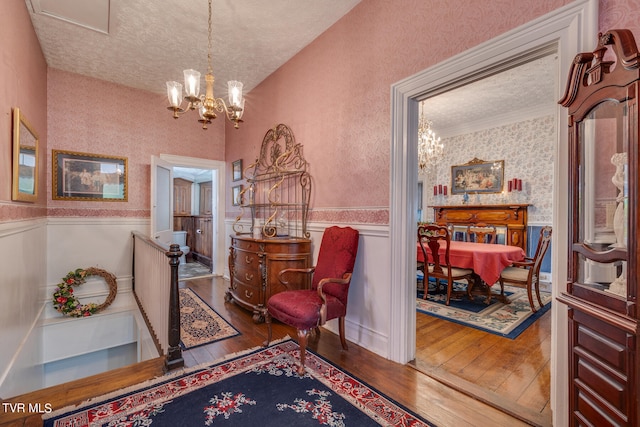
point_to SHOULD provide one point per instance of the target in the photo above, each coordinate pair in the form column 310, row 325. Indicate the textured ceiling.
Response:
column 152, row 41
column 144, row 43
column 526, row 91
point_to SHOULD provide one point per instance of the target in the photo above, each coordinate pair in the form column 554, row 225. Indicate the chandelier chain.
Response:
column 210, row 67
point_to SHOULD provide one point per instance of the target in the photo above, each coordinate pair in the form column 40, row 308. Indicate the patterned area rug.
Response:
column 199, row 323
column 258, row 388
column 507, row 320
column 191, row 270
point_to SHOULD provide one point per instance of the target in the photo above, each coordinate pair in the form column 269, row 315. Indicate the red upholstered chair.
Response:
column 308, row 309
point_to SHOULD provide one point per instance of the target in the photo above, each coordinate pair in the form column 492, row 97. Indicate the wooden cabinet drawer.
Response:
column 246, row 245
column 248, row 294
column 495, row 215
column 246, row 258
column 601, row 367
column 247, row 274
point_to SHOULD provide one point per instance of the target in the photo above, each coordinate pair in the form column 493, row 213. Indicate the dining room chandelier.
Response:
column 430, row 148
column 206, row 104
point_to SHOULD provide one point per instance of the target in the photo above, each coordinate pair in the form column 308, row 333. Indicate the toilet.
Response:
column 180, row 238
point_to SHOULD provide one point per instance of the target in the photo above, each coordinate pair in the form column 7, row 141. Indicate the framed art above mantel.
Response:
column 478, row 176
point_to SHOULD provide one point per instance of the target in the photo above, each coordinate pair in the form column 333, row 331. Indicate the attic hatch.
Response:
column 90, row 14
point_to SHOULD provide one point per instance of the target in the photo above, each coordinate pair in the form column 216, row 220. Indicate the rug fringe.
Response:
column 160, row 379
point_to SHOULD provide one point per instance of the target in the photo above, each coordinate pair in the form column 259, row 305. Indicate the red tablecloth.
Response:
column 486, row 260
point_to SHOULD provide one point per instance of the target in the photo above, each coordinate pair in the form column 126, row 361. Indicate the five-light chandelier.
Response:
column 430, row 148
column 206, row 104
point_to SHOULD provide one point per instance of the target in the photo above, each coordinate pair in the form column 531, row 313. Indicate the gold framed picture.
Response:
column 92, row 177
column 478, row 176
column 237, row 170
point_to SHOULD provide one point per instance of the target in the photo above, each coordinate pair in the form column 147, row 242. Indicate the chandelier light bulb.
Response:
column 174, row 93
column 235, row 93
column 191, row 84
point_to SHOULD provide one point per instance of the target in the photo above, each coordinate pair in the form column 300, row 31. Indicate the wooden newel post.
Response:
column 174, row 352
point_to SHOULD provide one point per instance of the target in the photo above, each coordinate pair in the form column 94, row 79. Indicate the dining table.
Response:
column 487, row 260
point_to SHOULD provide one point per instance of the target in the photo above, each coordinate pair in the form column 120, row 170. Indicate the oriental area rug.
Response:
column 199, row 323
column 506, row 320
column 257, row 388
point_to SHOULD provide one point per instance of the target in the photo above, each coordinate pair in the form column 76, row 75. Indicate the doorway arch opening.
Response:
column 570, row 30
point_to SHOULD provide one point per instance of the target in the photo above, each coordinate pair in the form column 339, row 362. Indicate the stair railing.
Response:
column 155, row 286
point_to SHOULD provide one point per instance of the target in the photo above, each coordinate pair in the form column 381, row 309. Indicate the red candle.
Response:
column 435, row 190
column 515, row 183
column 445, row 190
column 439, row 188
column 510, row 185
column 519, row 185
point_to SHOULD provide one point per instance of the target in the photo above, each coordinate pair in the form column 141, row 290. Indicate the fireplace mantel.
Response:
column 511, row 216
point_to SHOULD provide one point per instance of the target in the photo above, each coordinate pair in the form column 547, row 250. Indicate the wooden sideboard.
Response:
column 513, row 217
column 254, row 265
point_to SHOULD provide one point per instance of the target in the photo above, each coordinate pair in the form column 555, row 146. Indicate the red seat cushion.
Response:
column 301, row 309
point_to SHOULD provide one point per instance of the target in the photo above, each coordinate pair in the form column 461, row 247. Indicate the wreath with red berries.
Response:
column 66, row 303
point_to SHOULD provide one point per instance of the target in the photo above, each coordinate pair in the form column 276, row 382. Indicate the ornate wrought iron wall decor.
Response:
column 278, row 188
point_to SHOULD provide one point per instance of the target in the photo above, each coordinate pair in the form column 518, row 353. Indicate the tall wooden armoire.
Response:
column 602, row 99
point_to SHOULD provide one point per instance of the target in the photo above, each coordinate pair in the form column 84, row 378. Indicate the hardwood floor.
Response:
column 433, row 399
column 513, row 375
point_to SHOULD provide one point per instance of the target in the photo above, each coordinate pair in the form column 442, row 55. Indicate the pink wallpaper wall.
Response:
column 619, row 14
column 335, row 94
column 99, row 117
column 23, row 84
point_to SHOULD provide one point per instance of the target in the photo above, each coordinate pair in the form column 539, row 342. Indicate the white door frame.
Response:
column 217, row 168
column 161, row 201
column 573, row 28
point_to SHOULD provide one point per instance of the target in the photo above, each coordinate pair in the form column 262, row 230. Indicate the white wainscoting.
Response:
column 38, row 254
column 368, row 313
column 91, row 242
column 23, row 255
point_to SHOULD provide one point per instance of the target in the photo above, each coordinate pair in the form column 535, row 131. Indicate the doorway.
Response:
column 193, row 207
column 521, row 137
column 199, row 170
column 571, row 29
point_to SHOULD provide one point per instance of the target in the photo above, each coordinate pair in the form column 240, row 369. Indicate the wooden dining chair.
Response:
column 434, row 236
column 526, row 274
column 481, row 233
